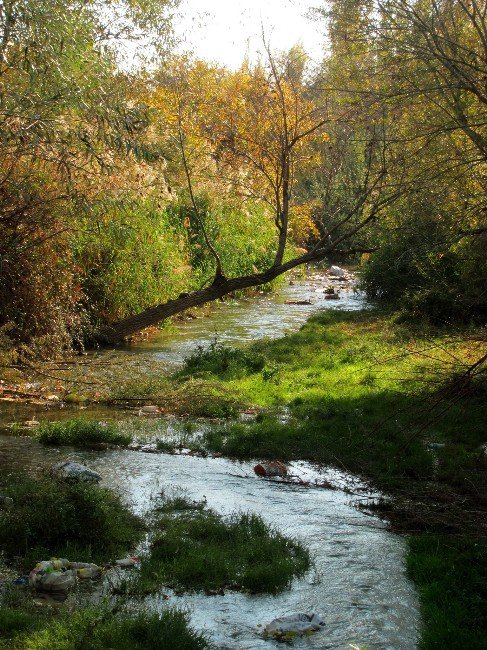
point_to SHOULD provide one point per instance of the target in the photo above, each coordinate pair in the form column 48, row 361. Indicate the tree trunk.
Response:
column 221, row 287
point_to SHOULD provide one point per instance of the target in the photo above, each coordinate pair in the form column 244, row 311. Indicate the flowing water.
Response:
column 357, row 584
column 264, row 315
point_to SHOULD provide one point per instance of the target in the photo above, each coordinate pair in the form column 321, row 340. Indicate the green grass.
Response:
column 451, row 576
column 222, row 360
column 195, row 548
column 83, row 522
column 81, row 433
column 368, row 395
column 99, row 629
column 359, row 390
column 14, row 621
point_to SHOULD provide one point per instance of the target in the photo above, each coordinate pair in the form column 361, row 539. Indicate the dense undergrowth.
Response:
column 128, row 254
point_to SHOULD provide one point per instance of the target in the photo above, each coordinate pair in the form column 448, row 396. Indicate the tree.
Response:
column 424, row 65
column 260, row 124
column 66, row 114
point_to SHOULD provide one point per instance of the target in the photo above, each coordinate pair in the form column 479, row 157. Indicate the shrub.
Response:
column 417, row 271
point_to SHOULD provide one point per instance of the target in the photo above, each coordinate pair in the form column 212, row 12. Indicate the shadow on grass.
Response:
column 451, row 576
column 377, row 435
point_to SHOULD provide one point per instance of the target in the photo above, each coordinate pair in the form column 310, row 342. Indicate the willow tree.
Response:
column 67, row 113
column 260, row 127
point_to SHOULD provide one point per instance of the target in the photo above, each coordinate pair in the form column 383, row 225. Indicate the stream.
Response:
column 357, row 583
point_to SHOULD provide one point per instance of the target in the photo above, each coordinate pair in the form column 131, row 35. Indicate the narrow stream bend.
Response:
column 358, row 583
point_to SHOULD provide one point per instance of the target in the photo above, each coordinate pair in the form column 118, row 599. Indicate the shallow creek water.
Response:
column 263, row 315
column 357, row 584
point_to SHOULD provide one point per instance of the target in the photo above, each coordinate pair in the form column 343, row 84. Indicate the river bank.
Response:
column 350, row 390
column 379, row 400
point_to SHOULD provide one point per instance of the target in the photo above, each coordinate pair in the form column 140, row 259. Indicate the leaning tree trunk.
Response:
column 220, row 287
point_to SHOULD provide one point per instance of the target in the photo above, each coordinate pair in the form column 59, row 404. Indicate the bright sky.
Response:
column 225, row 31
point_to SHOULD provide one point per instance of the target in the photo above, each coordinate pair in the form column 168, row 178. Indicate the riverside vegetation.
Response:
column 383, row 400
column 191, row 547
column 194, row 547
column 130, row 193
column 363, row 393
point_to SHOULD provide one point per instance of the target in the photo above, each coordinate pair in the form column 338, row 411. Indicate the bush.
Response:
column 417, row 271
column 83, row 522
column 82, row 433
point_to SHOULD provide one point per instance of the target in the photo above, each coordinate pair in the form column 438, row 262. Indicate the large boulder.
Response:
column 75, row 472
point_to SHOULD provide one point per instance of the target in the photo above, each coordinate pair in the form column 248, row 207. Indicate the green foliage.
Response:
column 419, row 272
column 451, row 576
column 132, row 256
column 83, row 522
column 196, row 548
column 98, row 629
column 14, row 621
column 222, row 360
column 81, row 433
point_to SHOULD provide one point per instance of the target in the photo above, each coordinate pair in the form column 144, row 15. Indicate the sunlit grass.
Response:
column 81, row 433
column 98, row 629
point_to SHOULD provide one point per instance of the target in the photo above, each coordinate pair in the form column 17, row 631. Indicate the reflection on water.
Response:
column 357, row 584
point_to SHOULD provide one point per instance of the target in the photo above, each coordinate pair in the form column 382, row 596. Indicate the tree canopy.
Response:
column 122, row 187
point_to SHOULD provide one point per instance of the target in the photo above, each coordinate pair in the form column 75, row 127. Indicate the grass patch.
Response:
column 98, row 629
column 359, row 390
column 195, row 548
column 341, row 439
column 451, row 576
column 201, row 398
column 222, row 360
column 14, row 621
column 81, row 433
column 83, row 522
